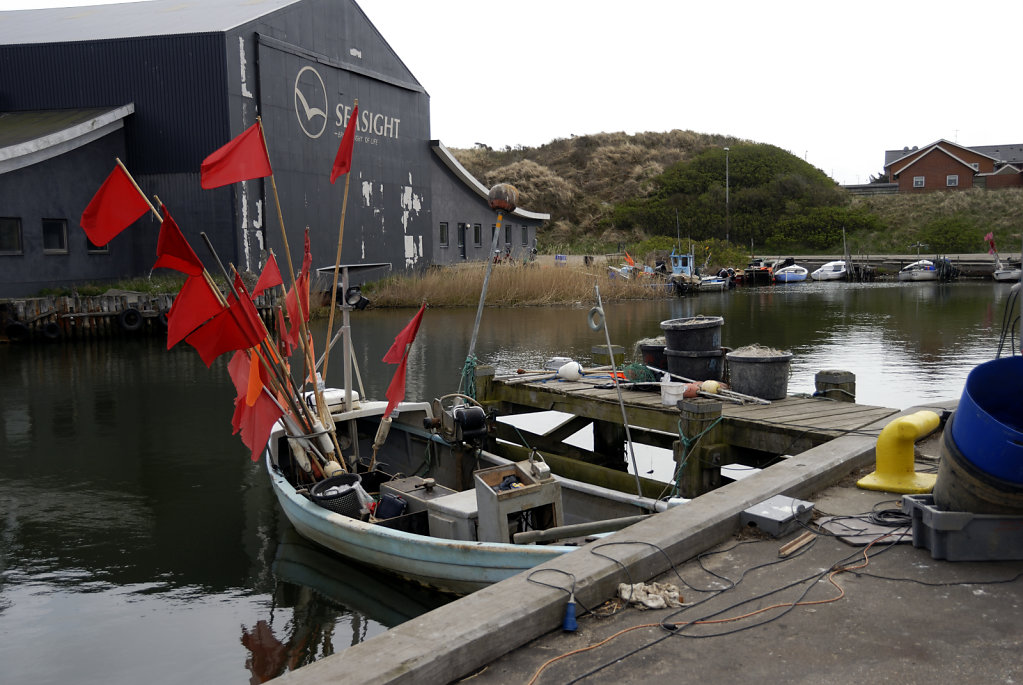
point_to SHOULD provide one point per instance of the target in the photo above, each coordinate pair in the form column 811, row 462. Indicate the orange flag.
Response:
column 629, row 260
column 115, row 206
column 242, row 159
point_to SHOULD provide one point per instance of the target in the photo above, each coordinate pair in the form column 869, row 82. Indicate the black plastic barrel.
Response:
column 693, row 334
column 701, row 365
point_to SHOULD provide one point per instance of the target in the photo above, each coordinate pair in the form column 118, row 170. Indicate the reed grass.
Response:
column 534, row 285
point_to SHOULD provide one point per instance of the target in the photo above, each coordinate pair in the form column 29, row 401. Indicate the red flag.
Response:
column 990, row 238
column 398, row 354
column 629, row 260
column 407, row 335
column 115, row 206
column 396, row 390
column 236, row 328
column 270, row 277
column 343, row 160
column 194, row 305
column 173, row 251
column 242, row 159
column 297, row 299
column 255, row 422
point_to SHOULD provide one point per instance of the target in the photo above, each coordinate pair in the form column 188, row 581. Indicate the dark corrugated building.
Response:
column 162, row 84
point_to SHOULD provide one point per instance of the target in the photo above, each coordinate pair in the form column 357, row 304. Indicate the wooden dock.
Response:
column 703, row 433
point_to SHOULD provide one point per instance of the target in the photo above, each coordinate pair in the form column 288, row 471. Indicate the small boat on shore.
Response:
column 832, row 271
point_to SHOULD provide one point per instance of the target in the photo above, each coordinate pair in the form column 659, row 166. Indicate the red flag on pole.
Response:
column 270, row 277
column 296, row 302
column 408, row 334
column 193, row 306
column 343, row 160
column 242, row 159
column 253, row 422
column 236, row 328
column 115, row 206
column 399, row 354
column 990, row 238
column 173, row 251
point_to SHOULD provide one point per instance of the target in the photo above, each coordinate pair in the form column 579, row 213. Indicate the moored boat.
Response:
column 790, row 274
column 1006, row 273
column 832, row 271
column 921, row 270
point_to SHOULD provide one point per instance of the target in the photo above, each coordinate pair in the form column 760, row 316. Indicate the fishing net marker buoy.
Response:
column 504, row 197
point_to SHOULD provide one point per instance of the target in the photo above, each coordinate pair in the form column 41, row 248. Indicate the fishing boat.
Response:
column 714, row 283
column 921, row 270
column 832, row 271
column 790, row 274
column 472, row 518
column 757, row 273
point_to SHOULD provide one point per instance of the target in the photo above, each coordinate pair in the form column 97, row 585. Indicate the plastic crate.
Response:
column 962, row 536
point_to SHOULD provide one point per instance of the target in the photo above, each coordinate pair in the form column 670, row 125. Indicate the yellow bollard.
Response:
column 894, row 461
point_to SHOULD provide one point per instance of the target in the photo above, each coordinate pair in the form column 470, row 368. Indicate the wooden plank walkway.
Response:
column 787, row 426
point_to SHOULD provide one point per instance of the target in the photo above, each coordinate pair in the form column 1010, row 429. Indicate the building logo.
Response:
column 310, row 102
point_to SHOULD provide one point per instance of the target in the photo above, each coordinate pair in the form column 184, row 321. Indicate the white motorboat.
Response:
column 922, row 270
column 832, row 271
column 1007, row 273
column 790, row 274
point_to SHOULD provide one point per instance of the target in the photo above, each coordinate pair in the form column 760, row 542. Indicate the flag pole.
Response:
column 321, row 405
column 345, row 325
column 137, row 188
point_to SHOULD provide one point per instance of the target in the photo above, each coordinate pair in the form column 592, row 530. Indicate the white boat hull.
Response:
column 450, row 565
column 1007, row 275
column 790, row 274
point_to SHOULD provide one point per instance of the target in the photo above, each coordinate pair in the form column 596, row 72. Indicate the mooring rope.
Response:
column 688, row 444
column 468, row 384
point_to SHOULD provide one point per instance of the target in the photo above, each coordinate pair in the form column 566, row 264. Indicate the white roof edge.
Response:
column 60, row 142
column 463, row 174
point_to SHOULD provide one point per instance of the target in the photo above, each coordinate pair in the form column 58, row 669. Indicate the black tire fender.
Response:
column 130, row 320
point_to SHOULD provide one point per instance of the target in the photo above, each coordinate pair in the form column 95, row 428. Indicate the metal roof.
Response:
column 473, row 183
column 132, row 19
column 28, row 138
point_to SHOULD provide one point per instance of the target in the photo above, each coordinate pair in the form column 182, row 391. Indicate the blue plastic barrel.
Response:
column 988, row 425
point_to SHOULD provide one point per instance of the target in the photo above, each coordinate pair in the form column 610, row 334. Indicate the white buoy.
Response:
column 571, row 371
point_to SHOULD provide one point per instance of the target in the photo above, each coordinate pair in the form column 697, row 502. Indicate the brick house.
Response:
column 944, row 165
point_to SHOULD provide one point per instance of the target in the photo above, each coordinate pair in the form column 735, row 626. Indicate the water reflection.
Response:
column 137, row 537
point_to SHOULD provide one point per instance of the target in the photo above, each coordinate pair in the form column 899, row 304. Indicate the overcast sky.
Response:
column 836, row 83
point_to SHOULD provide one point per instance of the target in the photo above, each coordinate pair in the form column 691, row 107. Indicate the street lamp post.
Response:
column 728, row 215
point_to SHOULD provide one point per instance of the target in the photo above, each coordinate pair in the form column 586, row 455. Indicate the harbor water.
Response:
column 139, row 543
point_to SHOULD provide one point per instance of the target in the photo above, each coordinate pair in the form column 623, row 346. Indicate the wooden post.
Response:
column 602, row 358
column 698, row 476
column 609, row 445
column 836, row 385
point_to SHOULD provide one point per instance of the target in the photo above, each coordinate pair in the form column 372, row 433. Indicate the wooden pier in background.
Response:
column 752, row 434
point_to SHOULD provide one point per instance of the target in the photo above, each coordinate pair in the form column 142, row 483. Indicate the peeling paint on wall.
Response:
column 367, row 193
column 241, row 64
column 410, row 202
column 413, row 250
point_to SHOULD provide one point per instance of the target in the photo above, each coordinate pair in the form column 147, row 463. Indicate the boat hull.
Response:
column 1007, row 275
column 454, row 566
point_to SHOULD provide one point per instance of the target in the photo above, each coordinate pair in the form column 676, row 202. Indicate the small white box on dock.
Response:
column 777, row 516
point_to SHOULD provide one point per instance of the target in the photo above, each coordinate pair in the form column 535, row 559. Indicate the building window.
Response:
column 525, row 235
column 952, row 180
column 976, row 166
column 444, row 234
column 507, row 234
column 461, row 234
column 918, row 181
column 477, row 235
column 10, row 236
column 54, row 236
column 96, row 249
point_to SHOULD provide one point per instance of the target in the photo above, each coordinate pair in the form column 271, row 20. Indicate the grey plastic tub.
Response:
column 693, row 334
column 764, row 376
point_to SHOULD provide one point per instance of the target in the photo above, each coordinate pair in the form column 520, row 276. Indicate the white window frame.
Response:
column 918, row 181
column 952, row 180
